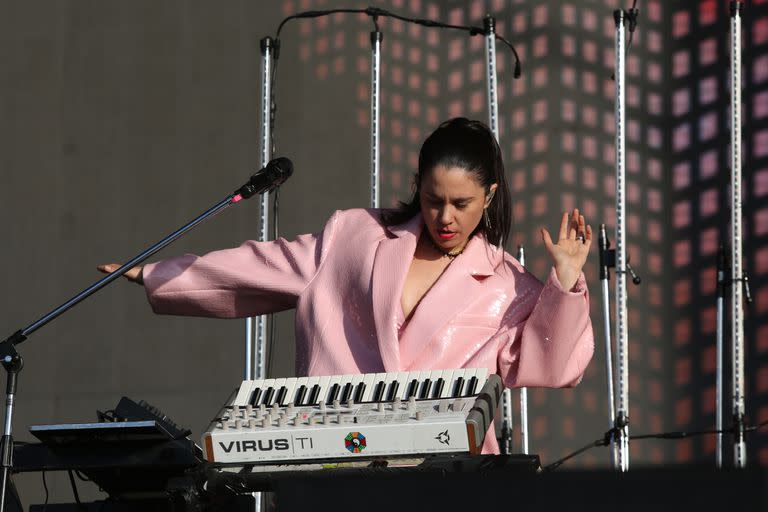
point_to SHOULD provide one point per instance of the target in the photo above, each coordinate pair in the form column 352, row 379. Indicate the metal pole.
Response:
column 605, row 264
column 12, row 365
column 737, row 318
column 489, row 24
column 523, row 391
column 256, row 327
column 621, row 421
column 376, row 38
column 721, row 268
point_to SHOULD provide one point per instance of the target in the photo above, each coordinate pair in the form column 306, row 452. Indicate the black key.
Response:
column 425, row 389
column 346, row 393
column 255, row 397
column 457, row 387
column 314, row 396
column 300, row 394
column 472, row 386
column 439, row 385
column 359, row 392
column 281, row 395
column 378, row 393
column 268, row 396
column 333, row 394
column 412, row 388
column 393, row 391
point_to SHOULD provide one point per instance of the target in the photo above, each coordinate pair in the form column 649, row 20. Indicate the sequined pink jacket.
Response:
column 346, row 283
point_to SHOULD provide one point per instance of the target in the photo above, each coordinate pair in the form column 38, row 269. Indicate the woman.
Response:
column 422, row 287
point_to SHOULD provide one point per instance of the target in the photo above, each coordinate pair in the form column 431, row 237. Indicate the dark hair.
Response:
column 469, row 145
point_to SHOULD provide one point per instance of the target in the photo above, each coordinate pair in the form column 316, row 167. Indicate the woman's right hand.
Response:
column 134, row 275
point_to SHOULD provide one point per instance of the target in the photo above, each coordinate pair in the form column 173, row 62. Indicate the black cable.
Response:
column 74, row 491
column 606, row 440
column 375, row 12
column 631, row 15
column 45, row 486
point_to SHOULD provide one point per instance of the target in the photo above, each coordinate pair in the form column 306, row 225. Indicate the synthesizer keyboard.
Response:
column 343, row 417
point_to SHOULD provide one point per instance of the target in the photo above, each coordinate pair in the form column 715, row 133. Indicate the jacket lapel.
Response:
column 453, row 292
column 390, row 268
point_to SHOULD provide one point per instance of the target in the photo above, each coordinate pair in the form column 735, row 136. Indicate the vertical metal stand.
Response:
column 13, row 365
column 721, row 268
column 607, row 260
column 256, row 327
column 376, row 38
column 489, row 24
column 523, row 391
column 621, row 422
column 737, row 277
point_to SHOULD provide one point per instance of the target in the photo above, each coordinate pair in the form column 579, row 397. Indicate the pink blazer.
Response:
column 346, row 283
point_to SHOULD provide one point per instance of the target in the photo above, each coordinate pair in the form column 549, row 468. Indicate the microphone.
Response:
column 267, row 179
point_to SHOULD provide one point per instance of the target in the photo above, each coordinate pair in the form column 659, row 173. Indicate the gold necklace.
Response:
column 451, row 254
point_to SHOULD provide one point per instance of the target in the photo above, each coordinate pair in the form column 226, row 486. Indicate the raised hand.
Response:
column 134, row 275
column 570, row 251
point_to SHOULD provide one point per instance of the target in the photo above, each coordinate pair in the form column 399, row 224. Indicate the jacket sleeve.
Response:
column 552, row 346
column 253, row 279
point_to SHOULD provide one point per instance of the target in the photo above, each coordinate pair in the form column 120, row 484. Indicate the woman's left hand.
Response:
column 570, row 251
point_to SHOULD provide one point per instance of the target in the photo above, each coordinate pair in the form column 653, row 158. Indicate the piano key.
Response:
column 255, row 396
column 371, row 381
column 406, row 384
column 437, row 391
column 333, row 393
column 267, row 396
column 413, row 386
column 277, row 385
column 458, row 387
column 447, row 383
column 346, row 392
column 280, row 395
column 472, row 386
column 322, row 387
column 359, row 392
column 310, row 384
column 301, row 394
column 378, row 393
column 290, row 389
column 392, row 392
column 244, row 393
column 424, row 391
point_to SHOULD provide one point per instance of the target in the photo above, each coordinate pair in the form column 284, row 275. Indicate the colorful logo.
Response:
column 355, row 442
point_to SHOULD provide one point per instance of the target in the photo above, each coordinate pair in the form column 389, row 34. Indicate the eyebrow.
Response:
column 455, row 200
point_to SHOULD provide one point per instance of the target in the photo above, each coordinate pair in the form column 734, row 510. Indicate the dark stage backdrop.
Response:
column 121, row 120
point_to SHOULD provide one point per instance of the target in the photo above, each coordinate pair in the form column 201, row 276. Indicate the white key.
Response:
column 290, row 388
column 323, row 383
column 244, row 393
column 370, row 382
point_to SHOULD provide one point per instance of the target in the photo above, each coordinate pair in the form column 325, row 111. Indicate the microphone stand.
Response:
column 12, row 360
column 608, row 260
column 721, row 270
column 737, row 276
column 376, row 39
